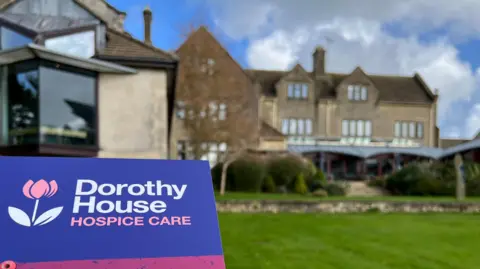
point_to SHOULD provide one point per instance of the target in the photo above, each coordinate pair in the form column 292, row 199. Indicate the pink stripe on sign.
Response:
column 199, row 262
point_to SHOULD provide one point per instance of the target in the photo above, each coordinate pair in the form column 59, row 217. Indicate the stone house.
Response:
column 75, row 83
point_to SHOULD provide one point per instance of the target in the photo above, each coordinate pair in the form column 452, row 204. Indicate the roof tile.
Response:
column 391, row 88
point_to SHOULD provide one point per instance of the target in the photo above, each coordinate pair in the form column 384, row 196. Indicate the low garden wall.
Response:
column 258, row 206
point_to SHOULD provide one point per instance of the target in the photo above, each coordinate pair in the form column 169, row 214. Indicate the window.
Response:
column 304, row 91
column 397, row 129
column 78, row 44
column 357, row 93
column 222, row 113
column 308, row 127
column 285, row 126
column 290, row 90
column 350, row 92
column 10, row 39
column 67, row 107
column 351, row 128
column 297, row 91
column 301, row 126
column 364, row 93
column 410, row 129
column 360, row 124
column 404, row 129
column 344, row 127
column 356, row 128
column 297, row 126
column 180, row 110
column 23, row 96
column 293, row 126
column 368, row 128
column 419, row 130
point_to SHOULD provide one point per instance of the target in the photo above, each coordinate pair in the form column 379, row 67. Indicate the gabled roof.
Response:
column 120, row 44
column 395, row 89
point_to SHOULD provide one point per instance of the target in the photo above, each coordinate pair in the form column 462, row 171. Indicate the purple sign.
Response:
column 108, row 213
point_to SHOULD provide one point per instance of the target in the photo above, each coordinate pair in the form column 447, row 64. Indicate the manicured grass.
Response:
column 360, row 241
column 267, row 196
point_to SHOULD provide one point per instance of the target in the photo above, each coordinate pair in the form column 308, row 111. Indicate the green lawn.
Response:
column 361, row 241
column 266, row 196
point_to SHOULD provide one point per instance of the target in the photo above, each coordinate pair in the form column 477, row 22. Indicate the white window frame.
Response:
column 292, row 126
column 419, row 130
column 364, row 93
column 300, row 126
column 350, row 92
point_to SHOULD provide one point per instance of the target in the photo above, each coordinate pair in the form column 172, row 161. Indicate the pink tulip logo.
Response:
column 36, row 191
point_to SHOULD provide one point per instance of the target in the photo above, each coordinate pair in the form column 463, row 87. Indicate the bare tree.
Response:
column 217, row 109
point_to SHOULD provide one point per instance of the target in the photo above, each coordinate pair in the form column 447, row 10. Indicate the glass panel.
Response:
column 285, row 126
column 10, row 39
column 308, row 127
column 290, row 90
column 23, row 85
column 305, row 91
column 67, row 108
column 368, row 128
column 397, row 130
column 357, row 92
column 301, row 125
column 404, row 129
column 293, row 126
column 420, row 130
column 298, row 90
column 352, row 129
column 411, row 130
column 78, row 44
column 364, row 93
column 360, row 128
column 350, row 92
column 344, row 127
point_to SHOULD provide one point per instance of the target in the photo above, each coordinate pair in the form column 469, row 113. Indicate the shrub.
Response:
column 284, row 169
column 317, row 181
column 336, row 189
column 269, row 184
column 247, row 174
column 320, row 193
column 300, row 186
column 423, row 179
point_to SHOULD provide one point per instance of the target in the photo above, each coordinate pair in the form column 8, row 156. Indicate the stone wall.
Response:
column 344, row 207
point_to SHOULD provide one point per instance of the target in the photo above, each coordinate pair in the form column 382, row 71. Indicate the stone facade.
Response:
column 345, row 207
column 133, row 115
column 229, row 83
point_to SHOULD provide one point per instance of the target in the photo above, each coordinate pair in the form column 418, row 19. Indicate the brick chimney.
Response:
column 319, row 61
column 147, row 18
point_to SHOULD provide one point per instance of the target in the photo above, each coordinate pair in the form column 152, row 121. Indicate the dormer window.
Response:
column 357, row 93
column 297, row 91
column 78, row 44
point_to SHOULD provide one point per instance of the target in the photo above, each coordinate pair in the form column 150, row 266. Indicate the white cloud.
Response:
column 287, row 32
column 364, row 43
column 473, row 121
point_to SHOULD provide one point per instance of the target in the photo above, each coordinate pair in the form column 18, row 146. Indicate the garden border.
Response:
column 282, row 206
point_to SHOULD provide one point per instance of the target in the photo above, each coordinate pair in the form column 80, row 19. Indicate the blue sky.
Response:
column 437, row 38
